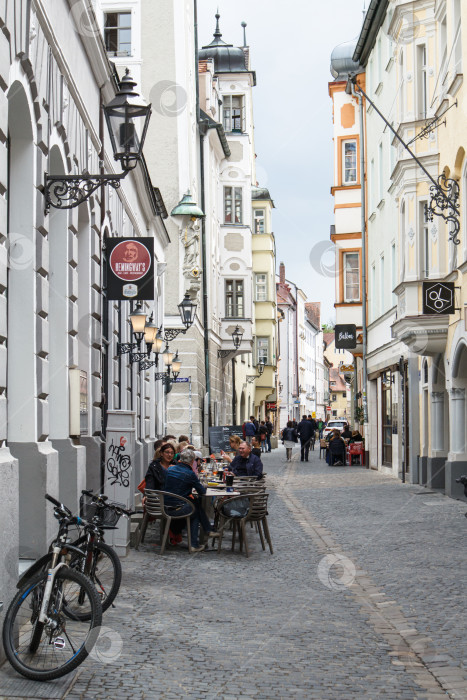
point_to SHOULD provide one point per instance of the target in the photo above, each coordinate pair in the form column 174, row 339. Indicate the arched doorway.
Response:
column 242, row 409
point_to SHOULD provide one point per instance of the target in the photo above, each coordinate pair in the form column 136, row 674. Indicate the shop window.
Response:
column 386, row 416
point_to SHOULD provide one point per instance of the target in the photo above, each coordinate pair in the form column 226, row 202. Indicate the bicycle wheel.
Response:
column 105, row 571
column 44, row 651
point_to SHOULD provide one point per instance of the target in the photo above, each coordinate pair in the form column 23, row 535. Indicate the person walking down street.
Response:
column 181, row 480
column 249, row 429
column 246, row 463
column 270, row 428
column 306, row 431
column 290, row 439
column 263, row 433
column 320, row 428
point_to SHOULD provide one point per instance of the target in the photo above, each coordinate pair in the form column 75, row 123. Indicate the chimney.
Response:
column 282, row 273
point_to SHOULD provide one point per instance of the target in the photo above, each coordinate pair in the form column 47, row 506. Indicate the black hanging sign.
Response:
column 438, row 298
column 130, row 268
column 345, row 336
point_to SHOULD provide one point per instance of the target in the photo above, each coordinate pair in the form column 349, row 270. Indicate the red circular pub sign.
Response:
column 130, row 260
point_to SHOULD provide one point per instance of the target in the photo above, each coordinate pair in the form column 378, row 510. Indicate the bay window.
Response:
column 233, row 205
column 351, row 276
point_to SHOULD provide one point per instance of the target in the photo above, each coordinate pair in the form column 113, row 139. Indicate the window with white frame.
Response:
column 258, row 217
column 234, row 113
column 422, row 96
column 233, row 205
column 261, row 286
column 424, row 239
column 262, row 350
column 234, row 298
column 117, row 33
column 349, row 162
column 352, row 276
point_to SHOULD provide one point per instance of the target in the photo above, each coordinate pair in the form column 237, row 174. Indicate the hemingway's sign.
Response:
column 346, row 336
column 130, row 268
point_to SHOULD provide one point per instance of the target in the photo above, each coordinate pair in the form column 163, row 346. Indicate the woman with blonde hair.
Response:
column 234, row 441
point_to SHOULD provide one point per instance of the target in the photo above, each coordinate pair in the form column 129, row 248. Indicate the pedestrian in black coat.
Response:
column 306, row 431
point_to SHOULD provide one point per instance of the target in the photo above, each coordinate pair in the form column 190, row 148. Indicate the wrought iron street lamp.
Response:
column 261, row 366
column 122, row 114
column 237, row 336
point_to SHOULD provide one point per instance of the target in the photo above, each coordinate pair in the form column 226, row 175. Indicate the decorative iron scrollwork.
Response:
column 67, row 191
column 138, row 356
column 225, row 353
column 444, row 203
column 125, row 348
column 171, row 333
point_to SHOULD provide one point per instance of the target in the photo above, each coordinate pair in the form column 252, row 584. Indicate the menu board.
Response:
column 219, row 437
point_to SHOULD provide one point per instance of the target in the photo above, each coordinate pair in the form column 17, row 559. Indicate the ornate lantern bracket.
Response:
column 444, row 202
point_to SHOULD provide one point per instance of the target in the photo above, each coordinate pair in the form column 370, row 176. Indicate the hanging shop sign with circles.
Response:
column 438, row 298
column 130, row 268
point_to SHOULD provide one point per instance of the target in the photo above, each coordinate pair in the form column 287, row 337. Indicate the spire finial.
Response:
column 244, row 25
column 217, row 33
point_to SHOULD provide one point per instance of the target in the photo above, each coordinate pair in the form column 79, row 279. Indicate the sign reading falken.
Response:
column 438, row 297
column 130, row 268
column 346, row 336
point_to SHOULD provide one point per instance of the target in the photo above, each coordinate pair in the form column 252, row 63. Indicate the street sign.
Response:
column 438, row 298
column 345, row 336
column 346, row 368
column 178, row 380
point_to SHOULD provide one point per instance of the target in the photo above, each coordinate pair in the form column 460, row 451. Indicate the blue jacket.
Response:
column 252, row 466
column 250, row 428
column 181, row 480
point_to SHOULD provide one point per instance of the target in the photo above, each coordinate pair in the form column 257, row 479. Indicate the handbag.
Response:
column 236, row 509
column 142, row 486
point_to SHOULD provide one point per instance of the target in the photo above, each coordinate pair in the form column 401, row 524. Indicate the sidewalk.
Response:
column 363, row 598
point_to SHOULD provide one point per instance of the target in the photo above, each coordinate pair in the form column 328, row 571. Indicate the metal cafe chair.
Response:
column 256, row 512
column 156, row 507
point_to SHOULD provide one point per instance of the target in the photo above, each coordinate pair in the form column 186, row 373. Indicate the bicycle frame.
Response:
column 51, row 574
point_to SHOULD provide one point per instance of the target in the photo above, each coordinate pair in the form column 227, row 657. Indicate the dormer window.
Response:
column 234, row 113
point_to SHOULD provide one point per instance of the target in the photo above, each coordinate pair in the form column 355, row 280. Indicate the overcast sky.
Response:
column 290, row 47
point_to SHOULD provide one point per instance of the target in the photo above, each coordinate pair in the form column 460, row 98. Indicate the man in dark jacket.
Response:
column 270, row 428
column 306, row 430
column 246, row 463
column 181, row 480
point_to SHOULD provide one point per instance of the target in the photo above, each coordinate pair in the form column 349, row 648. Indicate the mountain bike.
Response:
column 53, row 621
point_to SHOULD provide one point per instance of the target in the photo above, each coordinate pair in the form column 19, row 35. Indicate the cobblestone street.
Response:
column 363, row 597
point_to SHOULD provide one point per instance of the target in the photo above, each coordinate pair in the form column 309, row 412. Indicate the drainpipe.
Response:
column 203, row 231
column 359, row 97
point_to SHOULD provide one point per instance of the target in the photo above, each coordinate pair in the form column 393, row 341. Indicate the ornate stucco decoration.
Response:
column 191, row 263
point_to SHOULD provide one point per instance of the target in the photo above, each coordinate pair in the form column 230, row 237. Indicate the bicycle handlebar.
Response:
column 59, row 505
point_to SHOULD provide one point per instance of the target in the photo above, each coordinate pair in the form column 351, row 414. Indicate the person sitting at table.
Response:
column 256, row 445
column 356, row 437
column 336, row 450
column 234, row 442
column 246, row 463
column 157, row 470
column 181, row 480
column 346, row 433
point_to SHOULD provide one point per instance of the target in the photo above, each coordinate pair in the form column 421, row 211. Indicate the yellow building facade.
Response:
column 264, row 301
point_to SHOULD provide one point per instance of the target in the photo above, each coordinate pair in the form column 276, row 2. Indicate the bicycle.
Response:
column 89, row 554
column 53, row 621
